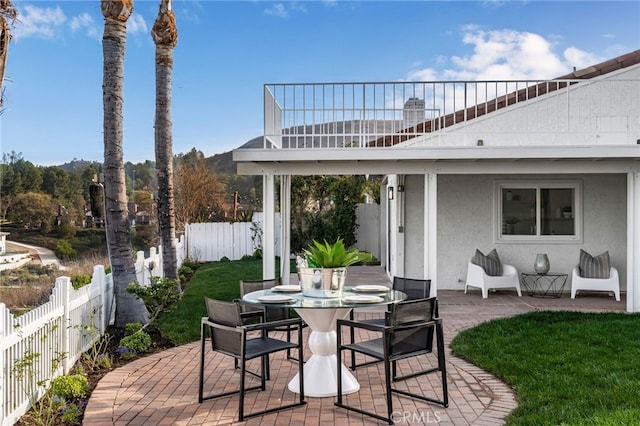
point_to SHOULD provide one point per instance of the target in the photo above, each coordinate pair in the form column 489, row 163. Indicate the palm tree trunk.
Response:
column 128, row 307
column 7, row 12
column 165, row 36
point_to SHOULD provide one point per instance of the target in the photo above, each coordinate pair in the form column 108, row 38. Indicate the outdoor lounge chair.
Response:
column 595, row 273
column 611, row 284
column 230, row 337
column 477, row 277
column 405, row 334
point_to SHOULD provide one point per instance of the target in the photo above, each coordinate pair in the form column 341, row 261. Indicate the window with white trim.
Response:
column 539, row 211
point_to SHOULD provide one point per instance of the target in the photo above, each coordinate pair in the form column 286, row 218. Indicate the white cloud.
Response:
column 38, row 22
column 278, row 10
column 136, row 24
column 505, row 55
column 298, row 7
column 84, row 22
column 426, row 74
column 580, row 59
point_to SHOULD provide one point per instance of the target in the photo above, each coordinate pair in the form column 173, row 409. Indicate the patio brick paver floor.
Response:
column 162, row 389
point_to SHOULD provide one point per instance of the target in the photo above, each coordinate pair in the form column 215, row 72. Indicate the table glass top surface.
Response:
column 349, row 298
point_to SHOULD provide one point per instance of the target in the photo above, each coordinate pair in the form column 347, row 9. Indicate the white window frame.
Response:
column 538, row 185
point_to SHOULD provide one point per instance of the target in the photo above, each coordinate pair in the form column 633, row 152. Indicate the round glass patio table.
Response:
column 320, row 375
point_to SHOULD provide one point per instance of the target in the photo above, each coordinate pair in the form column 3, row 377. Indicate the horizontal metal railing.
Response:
column 347, row 115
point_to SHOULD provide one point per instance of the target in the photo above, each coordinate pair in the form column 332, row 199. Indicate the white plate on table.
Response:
column 370, row 288
column 363, row 298
column 287, row 288
column 275, row 298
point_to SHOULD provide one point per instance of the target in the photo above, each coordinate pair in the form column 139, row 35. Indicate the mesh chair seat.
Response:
column 407, row 332
column 270, row 313
column 230, row 336
column 415, row 289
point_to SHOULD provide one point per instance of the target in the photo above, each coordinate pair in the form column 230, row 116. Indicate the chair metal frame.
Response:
column 390, row 349
column 246, row 348
column 410, row 286
column 270, row 313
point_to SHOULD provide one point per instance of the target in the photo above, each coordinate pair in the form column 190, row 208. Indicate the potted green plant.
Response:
column 323, row 270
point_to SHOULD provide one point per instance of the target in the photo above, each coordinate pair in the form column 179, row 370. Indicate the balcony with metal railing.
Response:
column 598, row 111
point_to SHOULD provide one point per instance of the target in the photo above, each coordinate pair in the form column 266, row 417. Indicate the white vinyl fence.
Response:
column 368, row 231
column 45, row 342
column 210, row 242
column 147, row 267
column 48, row 340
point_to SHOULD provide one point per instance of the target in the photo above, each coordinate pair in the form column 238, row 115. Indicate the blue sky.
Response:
column 227, row 50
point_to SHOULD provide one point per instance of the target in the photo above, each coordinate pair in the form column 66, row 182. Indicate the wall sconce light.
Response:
column 390, row 192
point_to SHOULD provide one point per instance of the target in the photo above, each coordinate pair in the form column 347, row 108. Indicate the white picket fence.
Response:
column 147, row 267
column 60, row 330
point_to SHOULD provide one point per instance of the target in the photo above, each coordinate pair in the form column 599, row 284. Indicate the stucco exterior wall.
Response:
column 461, row 229
column 466, row 222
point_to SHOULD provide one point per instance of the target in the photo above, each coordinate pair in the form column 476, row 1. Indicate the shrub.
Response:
column 103, row 361
column 132, row 327
column 185, row 273
column 189, row 263
column 125, row 353
column 64, row 250
column 70, row 413
column 70, row 386
column 138, row 342
column 225, row 259
column 80, row 280
column 159, row 296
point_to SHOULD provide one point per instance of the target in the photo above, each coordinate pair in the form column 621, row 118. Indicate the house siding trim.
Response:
column 633, row 242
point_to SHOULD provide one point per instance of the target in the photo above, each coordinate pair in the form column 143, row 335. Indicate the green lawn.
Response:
column 566, row 367
column 217, row 280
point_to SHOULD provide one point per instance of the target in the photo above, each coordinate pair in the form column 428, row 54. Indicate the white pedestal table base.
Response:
column 320, row 375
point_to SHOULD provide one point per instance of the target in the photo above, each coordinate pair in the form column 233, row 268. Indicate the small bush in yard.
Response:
column 132, row 328
column 70, row 386
column 159, row 296
column 185, row 273
column 80, row 280
column 64, row 250
column 138, row 342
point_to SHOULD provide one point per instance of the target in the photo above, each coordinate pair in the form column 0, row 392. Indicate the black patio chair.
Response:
column 404, row 334
column 270, row 313
column 415, row 289
column 231, row 337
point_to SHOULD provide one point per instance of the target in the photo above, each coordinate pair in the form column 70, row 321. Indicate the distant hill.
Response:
column 77, row 165
column 224, row 164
